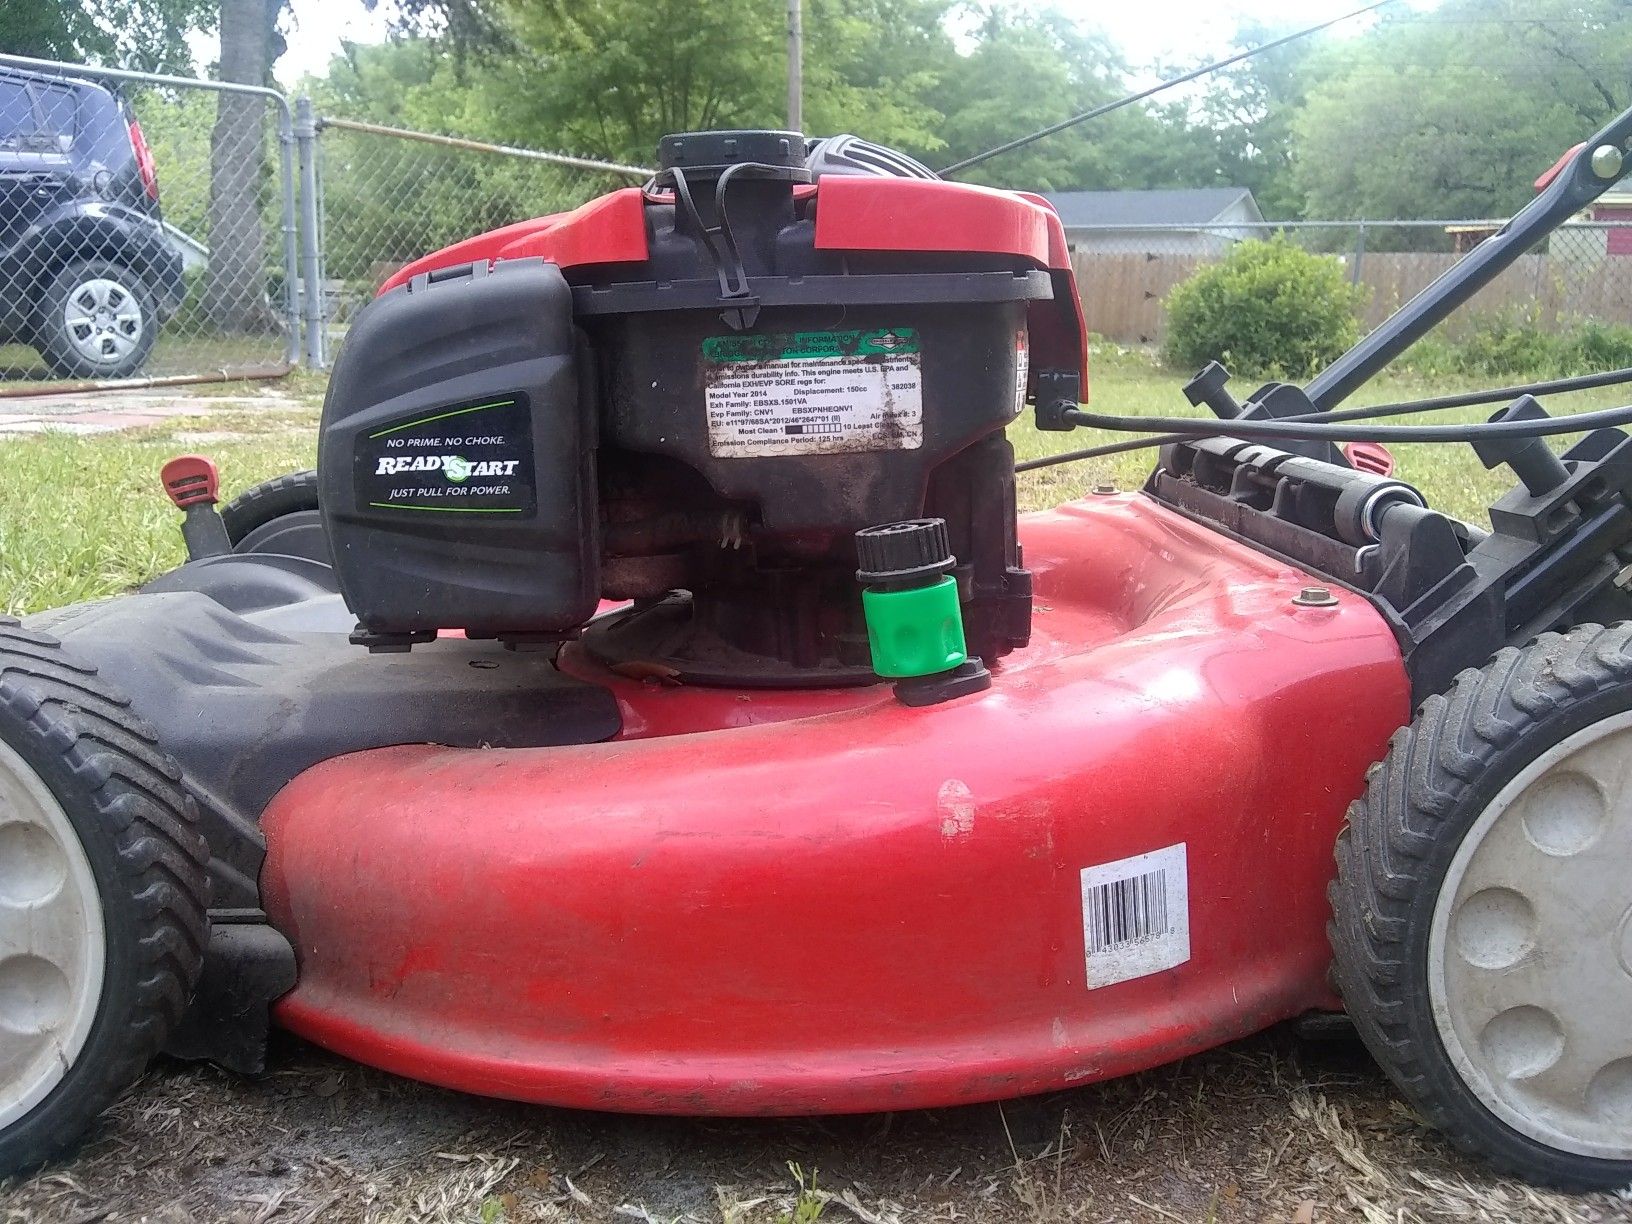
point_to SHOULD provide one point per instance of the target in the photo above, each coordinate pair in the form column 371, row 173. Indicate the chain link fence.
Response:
column 151, row 228
column 388, row 196
column 1583, row 270
column 147, row 227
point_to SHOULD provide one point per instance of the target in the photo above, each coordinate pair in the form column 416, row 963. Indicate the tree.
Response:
column 1246, row 113
column 235, row 284
column 389, row 201
column 611, row 77
column 1454, row 113
column 1027, row 70
column 146, row 35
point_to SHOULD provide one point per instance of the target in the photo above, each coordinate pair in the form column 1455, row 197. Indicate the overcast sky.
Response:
column 1148, row 30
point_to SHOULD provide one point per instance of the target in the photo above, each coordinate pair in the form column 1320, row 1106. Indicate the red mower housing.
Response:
column 781, row 902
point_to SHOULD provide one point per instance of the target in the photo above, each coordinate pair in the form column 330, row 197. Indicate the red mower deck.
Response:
column 782, row 903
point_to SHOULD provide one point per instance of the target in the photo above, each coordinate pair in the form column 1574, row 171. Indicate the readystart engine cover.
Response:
column 783, row 902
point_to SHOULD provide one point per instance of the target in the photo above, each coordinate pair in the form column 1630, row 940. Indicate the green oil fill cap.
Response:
column 910, row 600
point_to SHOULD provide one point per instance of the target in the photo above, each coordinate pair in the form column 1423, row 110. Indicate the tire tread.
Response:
column 259, row 505
column 1411, row 799
column 134, row 790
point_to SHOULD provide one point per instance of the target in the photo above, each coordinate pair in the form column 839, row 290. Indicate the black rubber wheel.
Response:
column 97, row 320
column 1478, row 929
column 103, row 897
column 278, row 516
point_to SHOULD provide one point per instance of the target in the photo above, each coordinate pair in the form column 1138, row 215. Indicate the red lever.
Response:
column 1371, row 457
column 190, row 480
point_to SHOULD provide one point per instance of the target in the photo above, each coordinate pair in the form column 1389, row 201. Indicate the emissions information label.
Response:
column 813, row 393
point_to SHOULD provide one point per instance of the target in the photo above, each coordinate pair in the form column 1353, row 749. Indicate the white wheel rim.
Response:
column 51, row 941
column 1530, row 950
column 103, row 320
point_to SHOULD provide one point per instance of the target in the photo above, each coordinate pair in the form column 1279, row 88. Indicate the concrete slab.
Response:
column 101, row 412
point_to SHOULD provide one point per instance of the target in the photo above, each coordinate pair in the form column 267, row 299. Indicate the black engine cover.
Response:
column 456, row 462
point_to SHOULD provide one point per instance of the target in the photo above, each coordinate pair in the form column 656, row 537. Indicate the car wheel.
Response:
column 97, row 321
column 1482, row 920
column 103, row 896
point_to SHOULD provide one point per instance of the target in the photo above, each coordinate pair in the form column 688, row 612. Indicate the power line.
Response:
column 1142, row 94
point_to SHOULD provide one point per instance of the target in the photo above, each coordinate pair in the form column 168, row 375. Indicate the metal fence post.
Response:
column 1359, row 251
column 286, row 183
column 311, row 273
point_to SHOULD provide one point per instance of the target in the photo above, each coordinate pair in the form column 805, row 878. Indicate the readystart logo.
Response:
column 456, row 468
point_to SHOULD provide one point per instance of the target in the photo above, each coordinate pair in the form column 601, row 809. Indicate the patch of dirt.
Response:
column 1269, row 1129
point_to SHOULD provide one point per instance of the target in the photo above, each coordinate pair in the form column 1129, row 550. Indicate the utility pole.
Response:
column 796, row 66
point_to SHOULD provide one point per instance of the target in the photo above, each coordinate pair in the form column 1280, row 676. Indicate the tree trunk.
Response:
column 235, row 285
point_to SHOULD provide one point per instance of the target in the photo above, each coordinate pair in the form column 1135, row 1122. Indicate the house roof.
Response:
column 1163, row 206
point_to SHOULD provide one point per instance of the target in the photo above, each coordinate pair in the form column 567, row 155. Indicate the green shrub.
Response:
column 1592, row 346
column 1269, row 309
column 1515, row 345
column 1506, row 344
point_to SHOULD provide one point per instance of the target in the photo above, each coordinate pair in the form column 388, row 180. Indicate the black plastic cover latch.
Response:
column 391, row 643
column 1058, row 392
column 703, row 153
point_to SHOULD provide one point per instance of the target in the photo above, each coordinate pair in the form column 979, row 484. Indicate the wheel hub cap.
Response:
column 1530, row 952
column 51, row 941
column 103, row 320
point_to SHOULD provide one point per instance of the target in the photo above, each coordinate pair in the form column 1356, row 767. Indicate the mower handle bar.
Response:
column 1576, row 185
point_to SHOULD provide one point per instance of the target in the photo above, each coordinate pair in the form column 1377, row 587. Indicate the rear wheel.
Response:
column 97, row 321
column 103, row 895
column 1483, row 916
column 278, row 516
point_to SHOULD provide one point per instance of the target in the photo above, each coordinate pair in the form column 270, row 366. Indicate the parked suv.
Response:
column 87, row 272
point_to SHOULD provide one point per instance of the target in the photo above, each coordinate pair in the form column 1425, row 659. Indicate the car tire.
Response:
column 97, row 320
column 103, row 897
column 1482, row 929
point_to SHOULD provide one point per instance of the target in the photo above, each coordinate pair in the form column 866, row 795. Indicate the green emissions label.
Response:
column 813, row 393
column 795, row 346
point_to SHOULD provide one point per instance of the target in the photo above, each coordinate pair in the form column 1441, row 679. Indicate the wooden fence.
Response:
column 1122, row 293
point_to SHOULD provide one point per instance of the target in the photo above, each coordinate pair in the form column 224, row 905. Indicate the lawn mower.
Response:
column 653, row 702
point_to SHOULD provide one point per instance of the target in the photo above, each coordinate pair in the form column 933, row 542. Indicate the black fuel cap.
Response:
column 702, row 153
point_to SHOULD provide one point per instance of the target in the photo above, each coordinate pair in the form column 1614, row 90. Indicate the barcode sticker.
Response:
column 1136, row 916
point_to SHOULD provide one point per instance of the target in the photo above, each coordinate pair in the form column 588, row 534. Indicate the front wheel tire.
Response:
column 103, row 896
column 1482, row 912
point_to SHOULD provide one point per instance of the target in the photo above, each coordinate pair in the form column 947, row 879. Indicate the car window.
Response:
column 16, row 114
column 58, row 110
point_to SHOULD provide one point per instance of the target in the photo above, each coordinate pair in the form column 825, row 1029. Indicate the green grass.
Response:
column 82, row 518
